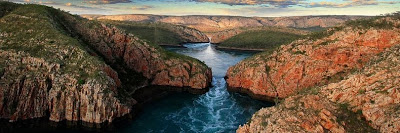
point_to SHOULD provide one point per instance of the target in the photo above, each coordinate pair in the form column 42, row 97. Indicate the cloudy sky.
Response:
column 262, row 8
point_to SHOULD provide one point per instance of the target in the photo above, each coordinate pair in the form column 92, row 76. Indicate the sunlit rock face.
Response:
column 344, row 81
column 365, row 101
column 306, row 63
column 68, row 68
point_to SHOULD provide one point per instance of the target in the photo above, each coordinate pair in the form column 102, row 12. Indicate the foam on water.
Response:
column 216, row 111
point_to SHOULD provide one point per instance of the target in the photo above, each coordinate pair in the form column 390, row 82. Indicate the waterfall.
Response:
column 209, row 40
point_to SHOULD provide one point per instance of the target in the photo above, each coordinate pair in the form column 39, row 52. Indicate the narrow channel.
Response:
column 216, row 111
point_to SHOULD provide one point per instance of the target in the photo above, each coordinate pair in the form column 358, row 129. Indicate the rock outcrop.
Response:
column 64, row 67
column 219, row 27
column 365, row 101
column 313, row 61
column 152, row 62
column 31, row 87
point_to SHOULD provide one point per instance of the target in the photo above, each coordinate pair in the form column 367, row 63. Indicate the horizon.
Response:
column 242, row 8
column 231, row 15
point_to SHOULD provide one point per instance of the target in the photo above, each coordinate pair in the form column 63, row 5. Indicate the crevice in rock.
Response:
column 49, row 83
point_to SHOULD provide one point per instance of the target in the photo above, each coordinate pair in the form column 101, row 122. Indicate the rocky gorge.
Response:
column 340, row 80
column 64, row 67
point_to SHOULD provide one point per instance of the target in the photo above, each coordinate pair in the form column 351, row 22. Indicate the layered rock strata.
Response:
column 312, row 61
column 365, row 101
column 64, row 67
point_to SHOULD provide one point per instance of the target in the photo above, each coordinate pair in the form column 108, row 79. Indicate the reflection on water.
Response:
column 216, row 111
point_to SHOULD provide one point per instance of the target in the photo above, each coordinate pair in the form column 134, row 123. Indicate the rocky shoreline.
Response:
column 327, row 82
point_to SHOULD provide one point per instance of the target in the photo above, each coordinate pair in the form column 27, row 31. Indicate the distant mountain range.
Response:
column 220, row 28
column 220, row 23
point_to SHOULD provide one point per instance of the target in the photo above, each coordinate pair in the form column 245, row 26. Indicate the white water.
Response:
column 216, row 111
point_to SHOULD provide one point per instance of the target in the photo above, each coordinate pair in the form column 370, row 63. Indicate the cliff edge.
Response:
column 64, row 67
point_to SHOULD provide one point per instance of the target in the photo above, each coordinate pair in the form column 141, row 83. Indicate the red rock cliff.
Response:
column 68, row 68
column 365, row 101
column 306, row 63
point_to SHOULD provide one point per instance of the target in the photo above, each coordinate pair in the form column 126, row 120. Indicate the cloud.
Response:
column 106, row 1
column 277, row 3
column 349, row 3
column 144, row 7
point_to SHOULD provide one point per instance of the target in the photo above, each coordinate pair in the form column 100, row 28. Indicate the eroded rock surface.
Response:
column 64, row 67
column 365, row 101
column 309, row 62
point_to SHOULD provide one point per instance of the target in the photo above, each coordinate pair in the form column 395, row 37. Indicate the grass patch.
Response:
column 300, row 52
column 321, row 34
column 309, row 91
column 153, row 32
column 81, row 81
column 370, row 23
column 313, row 29
column 260, row 39
column 361, row 91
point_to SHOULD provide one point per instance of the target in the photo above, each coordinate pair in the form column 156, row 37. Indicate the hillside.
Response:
column 262, row 38
column 220, row 23
column 339, row 80
column 216, row 26
column 318, row 59
column 365, row 101
column 64, row 67
column 161, row 33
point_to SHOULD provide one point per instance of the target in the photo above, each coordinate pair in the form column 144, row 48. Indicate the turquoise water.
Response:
column 216, row 111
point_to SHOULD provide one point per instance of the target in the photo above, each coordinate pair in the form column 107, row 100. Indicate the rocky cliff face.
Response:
column 31, row 87
column 365, row 101
column 163, row 69
column 313, row 61
column 219, row 27
column 68, row 68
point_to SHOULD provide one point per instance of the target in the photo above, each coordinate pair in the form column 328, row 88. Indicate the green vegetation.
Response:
column 354, row 122
column 154, row 32
column 6, row 7
column 36, row 30
column 367, row 23
column 313, row 29
column 47, row 33
column 370, row 23
column 321, row 34
column 81, row 81
column 309, row 91
column 260, row 39
column 157, row 33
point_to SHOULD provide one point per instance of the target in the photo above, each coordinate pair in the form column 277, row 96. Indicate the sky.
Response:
column 250, row 8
